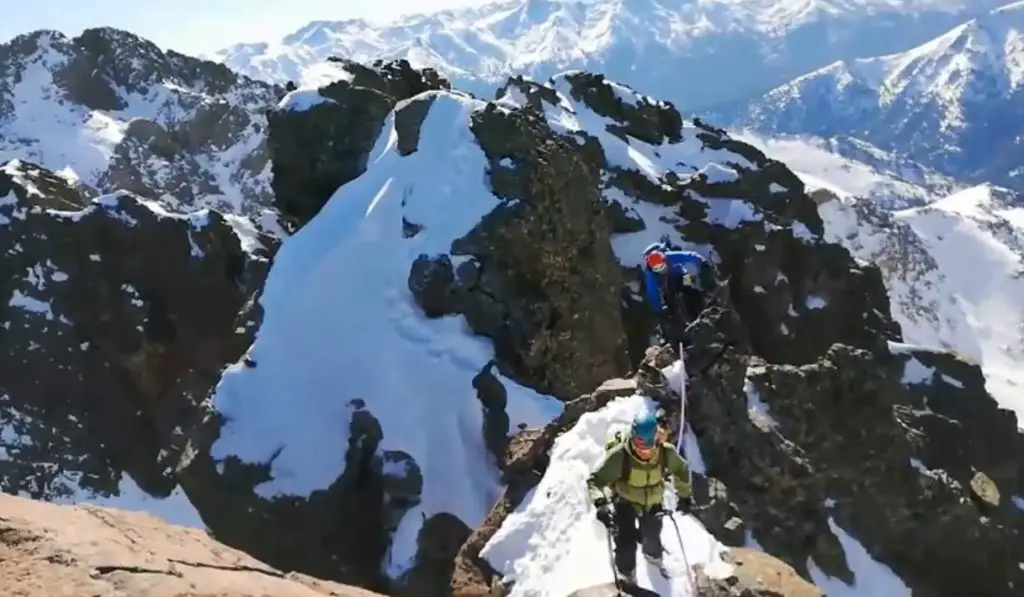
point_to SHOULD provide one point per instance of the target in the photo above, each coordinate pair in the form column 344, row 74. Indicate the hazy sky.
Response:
column 194, row 26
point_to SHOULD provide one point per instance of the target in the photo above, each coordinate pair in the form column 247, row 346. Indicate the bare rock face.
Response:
column 885, row 445
column 117, row 319
column 85, row 551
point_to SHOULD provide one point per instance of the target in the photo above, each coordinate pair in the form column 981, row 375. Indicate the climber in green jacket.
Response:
column 636, row 468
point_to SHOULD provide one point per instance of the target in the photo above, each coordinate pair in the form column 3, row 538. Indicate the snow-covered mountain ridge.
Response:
column 726, row 49
column 952, row 103
column 111, row 111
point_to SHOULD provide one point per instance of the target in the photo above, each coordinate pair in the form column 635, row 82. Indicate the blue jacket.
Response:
column 679, row 263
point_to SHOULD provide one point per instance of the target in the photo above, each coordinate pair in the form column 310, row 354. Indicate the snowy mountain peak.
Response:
column 984, row 56
column 952, row 103
column 965, row 58
column 113, row 112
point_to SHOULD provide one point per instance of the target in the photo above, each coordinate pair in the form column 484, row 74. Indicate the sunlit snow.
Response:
column 340, row 325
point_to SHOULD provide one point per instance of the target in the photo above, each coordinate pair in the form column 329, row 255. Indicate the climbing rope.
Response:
column 690, row 576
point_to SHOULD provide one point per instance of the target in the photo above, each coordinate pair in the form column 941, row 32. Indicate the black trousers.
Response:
column 683, row 304
column 693, row 302
column 632, row 526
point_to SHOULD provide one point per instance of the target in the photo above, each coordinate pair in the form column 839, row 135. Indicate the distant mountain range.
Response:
column 694, row 53
column 954, row 103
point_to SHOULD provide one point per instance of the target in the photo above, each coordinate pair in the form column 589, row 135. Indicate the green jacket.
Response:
column 645, row 486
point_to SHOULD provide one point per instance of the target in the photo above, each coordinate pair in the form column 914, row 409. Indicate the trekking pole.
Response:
column 611, row 557
column 682, row 400
column 694, row 589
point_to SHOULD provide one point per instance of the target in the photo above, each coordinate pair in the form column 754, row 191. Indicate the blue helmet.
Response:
column 645, row 428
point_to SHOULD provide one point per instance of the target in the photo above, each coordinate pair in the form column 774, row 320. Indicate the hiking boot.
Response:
column 658, row 563
column 628, row 578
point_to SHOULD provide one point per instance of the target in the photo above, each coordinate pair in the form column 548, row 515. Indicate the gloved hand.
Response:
column 684, row 504
column 604, row 513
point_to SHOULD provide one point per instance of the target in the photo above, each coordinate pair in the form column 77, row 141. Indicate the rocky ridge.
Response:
column 847, row 393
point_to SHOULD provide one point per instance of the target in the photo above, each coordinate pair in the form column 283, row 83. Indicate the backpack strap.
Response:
column 627, row 463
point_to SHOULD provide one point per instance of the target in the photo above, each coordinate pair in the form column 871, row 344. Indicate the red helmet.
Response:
column 656, row 261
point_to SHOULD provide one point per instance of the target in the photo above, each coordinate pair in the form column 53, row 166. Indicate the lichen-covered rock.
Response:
column 756, row 574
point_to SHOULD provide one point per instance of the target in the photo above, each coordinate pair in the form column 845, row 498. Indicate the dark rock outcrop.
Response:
column 105, row 360
column 542, row 281
column 844, row 441
column 341, row 532
column 318, row 149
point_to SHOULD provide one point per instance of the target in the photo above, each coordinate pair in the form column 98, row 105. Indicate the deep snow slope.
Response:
column 342, row 341
column 112, row 111
column 953, row 269
column 951, row 103
column 727, row 49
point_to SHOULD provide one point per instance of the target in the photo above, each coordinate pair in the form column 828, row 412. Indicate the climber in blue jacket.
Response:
column 671, row 276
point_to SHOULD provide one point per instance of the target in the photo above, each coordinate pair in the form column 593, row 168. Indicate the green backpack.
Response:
column 620, row 438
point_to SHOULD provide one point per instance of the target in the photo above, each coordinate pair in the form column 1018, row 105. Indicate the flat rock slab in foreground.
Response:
column 86, row 551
